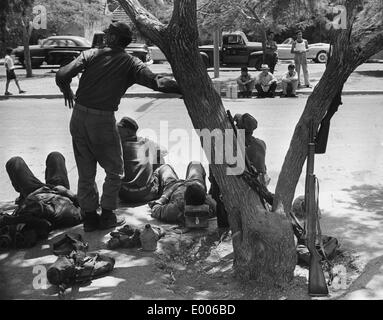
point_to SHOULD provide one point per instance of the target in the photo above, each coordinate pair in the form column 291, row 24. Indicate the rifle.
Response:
column 317, row 283
column 322, row 136
column 251, row 175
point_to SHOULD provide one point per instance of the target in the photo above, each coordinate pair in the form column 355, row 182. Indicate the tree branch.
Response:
column 146, row 23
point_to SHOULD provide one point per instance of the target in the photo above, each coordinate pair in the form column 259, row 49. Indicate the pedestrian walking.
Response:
column 10, row 70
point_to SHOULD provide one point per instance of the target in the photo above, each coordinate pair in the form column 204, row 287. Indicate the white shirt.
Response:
column 288, row 77
column 300, row 46
column 265, row 79
column 8, row 62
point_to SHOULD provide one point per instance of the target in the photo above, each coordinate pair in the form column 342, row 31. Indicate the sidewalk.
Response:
column 367, row 79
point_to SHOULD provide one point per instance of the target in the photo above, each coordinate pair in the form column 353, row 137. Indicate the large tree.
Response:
column 262, row 240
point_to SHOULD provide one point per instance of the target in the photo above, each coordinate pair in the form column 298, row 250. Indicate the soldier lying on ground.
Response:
column 141, row 158
column 50, row 205
column 176, row 193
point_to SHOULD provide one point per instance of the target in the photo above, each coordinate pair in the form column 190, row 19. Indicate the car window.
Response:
column 288, row 41
column 48, row 42
column 71, row 43
column 234, row 39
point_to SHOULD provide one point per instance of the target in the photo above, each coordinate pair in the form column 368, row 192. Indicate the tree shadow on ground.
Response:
column 367, row 197
column 364, row 287
column 358, row 228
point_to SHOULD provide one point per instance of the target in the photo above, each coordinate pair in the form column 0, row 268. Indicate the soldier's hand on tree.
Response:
column 167, row 85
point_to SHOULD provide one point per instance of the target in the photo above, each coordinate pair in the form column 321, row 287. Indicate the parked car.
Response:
column 60, row 50
column 55, row 50
column 139, row 50
column 317, row 51
column 235, row 50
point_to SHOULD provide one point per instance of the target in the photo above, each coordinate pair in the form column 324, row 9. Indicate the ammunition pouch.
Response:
column 196, row 216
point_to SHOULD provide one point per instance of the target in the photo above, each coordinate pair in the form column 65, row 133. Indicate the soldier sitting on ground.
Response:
column 176, row 193
column 256, row 153
column 298, row 217
column 255, row 147
column 141, row 158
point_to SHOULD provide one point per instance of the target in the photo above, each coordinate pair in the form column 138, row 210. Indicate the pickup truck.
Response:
column 235, row 50
column 60, row 50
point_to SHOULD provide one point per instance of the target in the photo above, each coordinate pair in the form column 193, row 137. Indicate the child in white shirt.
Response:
column 10, row 69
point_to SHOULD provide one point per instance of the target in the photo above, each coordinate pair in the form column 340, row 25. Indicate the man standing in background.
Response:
column 271, row 52
column 299, row 49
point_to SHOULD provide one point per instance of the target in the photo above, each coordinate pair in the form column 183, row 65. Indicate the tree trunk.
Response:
column 351, row 47
column 263, row 241
column 27, row 53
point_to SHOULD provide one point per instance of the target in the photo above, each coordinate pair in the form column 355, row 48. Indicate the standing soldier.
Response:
column 106, row 74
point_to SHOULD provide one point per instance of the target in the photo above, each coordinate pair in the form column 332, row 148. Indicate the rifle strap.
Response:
column 328, row 265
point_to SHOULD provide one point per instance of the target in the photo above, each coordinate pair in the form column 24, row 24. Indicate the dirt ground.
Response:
column 199, row 266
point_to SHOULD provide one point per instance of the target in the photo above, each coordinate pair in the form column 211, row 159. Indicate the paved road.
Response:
column 32, row 128
column 368, row 77
column 350, row 174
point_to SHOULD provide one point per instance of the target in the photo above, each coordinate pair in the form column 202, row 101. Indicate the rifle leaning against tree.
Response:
column 317, row 283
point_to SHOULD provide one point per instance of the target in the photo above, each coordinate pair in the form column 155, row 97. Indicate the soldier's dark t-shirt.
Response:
column 107, row 74
column 256, row 152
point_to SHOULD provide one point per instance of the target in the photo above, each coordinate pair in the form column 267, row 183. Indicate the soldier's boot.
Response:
column 109, row 220
column 91, row 221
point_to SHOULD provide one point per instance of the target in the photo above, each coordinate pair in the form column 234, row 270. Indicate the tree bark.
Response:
column 351, row 47
column 27, row 53
column 263, row 241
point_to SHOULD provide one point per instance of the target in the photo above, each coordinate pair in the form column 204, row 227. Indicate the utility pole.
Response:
column 216, row 38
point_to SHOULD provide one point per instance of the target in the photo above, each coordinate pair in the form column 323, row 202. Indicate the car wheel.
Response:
column 321, row 57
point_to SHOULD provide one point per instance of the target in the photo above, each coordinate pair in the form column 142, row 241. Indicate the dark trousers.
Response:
column 271, row 60
column 96, row 140
column 269, row 93
column 167, row 177
column 25, row 182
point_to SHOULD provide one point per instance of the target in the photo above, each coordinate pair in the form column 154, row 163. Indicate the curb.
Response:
column 60, row 96
column 170, row 95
